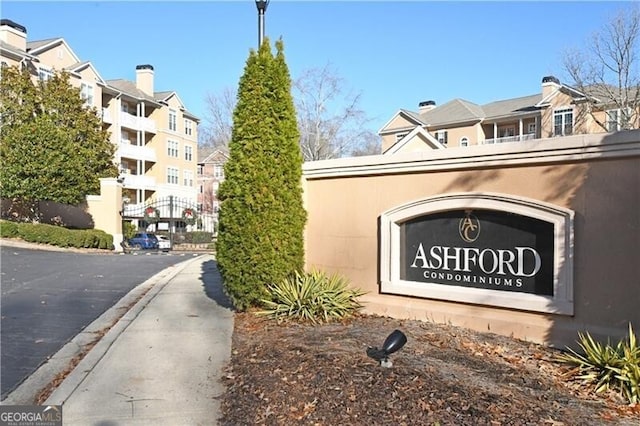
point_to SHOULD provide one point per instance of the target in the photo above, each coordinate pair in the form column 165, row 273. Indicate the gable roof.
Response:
column 211, row 155
column 511, row 107
column 454, row 111
column 129, row 88
column 38, row 46
column 14, row 51
column 79, row 66
column 412, row 116
column 418, row 132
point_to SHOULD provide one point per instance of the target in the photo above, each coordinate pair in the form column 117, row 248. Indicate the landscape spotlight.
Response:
column 393, row 343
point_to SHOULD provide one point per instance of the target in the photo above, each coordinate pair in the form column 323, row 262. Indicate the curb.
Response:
column 118, row 318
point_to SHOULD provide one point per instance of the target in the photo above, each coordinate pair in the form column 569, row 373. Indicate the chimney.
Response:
column 13, row 34
column 144, row 78
column 425, row 106
column 549, row 84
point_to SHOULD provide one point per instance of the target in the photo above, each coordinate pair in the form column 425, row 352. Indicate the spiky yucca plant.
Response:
column 313, row 296
column 607, row 366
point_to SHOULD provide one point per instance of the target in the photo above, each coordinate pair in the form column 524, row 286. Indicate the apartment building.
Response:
column 155, row 135
column 211, row 163
column 557, row 110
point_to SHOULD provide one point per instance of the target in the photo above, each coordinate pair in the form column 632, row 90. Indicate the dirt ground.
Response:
column 320, row 375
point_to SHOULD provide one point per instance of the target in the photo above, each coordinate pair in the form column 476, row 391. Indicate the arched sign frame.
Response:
column 561, row 218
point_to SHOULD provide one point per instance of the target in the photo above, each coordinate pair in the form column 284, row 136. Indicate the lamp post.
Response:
column 262, row 8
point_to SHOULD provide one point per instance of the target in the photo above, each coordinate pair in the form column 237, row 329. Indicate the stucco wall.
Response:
column 596, row 176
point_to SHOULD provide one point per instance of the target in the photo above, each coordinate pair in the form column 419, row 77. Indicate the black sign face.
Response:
column 486, row 249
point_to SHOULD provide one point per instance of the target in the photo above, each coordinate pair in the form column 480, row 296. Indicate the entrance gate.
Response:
column 171, row 214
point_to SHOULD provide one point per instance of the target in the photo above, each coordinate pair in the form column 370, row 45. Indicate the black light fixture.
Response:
column 262, row 8
column 393, row 343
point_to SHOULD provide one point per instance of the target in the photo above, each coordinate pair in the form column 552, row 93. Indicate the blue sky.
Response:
column 395, row 54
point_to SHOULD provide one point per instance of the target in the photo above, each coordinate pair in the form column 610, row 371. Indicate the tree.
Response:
column 369, row 144
column 329, row 117
column 260, row 240
column 53, row 146
column 607, row 70
column 330, row 122
column 216, row 131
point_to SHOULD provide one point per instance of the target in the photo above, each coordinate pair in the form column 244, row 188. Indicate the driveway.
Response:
column 50, row 296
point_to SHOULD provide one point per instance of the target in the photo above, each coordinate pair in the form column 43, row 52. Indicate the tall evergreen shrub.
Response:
column 262, row 218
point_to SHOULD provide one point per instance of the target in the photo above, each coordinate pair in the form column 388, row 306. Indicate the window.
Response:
column 563, row 122
column 173, row 120
column 172, row 148
column 200, row 169
column 124, row 107
column 188, row 129
column 86, row 93
column 618, row 119
column 612, row 120
column 44, row 74
column 201, row 189
column 218, row 171
column 441, row 136
column 508, row 132
column 531, row 129
column 172, row 175
column 188, row 152
column 187, row 178
column 399, row 136
column 464, row 141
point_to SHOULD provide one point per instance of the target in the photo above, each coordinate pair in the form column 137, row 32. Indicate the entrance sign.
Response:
column 480, row 248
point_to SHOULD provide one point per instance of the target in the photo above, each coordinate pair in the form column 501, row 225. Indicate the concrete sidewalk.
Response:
column 161, row 364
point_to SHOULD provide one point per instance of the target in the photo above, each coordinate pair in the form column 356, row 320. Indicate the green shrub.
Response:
column 129, row 230
column 262, row 217
column 8, row 229
column 57, row 236
column 608, row 367
column 198, row 237
column 314, row 297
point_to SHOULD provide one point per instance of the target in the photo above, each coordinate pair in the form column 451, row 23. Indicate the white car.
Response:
column 163, row 243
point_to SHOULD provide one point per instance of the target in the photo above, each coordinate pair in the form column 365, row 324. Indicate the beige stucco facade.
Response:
column 596, row 177
column 154, row 133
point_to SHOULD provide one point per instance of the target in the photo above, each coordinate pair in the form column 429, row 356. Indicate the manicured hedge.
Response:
column 56, row 235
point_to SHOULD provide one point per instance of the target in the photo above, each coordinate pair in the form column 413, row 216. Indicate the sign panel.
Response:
column 482, row 248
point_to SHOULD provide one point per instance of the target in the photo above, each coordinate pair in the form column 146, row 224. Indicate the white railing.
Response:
column 106, row 116
column 136, row 152
column 138, row 181
column 137, row 123
column 506, row 139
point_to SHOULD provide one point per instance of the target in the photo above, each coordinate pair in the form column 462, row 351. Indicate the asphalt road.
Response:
column 48, row 297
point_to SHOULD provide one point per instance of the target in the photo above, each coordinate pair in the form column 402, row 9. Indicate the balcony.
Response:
column 137, row 123
column 127, row 150
column 138, row 181
column 507, row 139
column 106, row 116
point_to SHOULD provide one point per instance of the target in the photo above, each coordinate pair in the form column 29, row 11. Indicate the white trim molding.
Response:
column 561, row 218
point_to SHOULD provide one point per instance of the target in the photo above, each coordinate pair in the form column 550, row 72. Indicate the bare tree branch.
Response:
column 330, row 120
column 607, row 69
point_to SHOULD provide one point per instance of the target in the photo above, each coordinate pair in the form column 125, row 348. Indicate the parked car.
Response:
column 164, row 243
column 144, row 240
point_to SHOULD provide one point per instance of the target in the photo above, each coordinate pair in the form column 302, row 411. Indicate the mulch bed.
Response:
column 282, row 374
